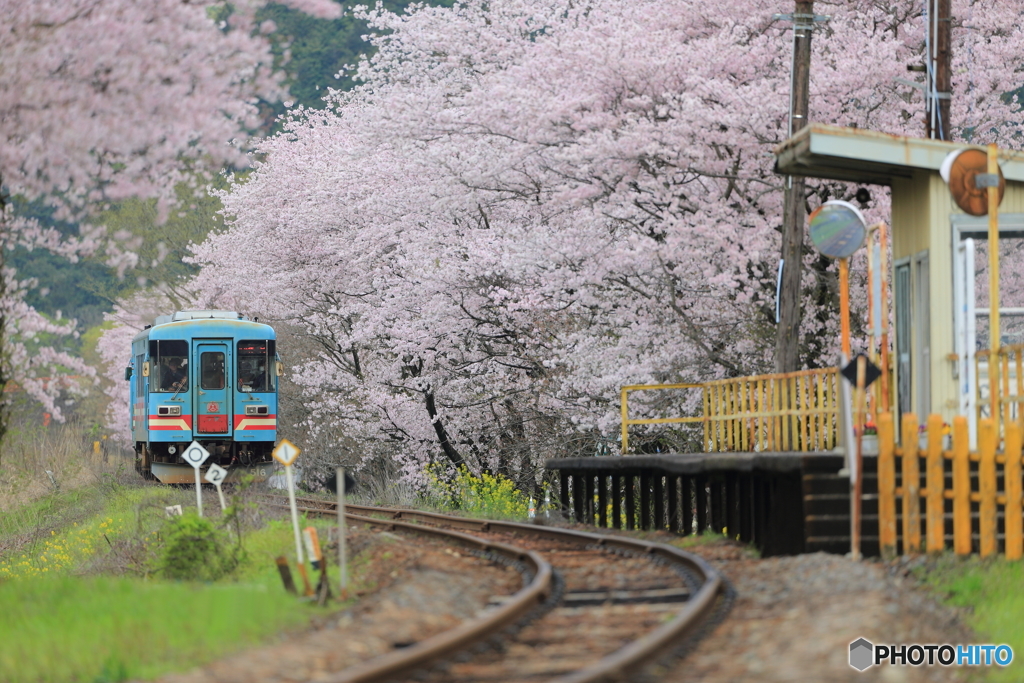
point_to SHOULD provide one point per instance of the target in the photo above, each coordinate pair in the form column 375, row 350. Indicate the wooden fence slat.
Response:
column 716, row 425
column 794, row 422
column 911, row 486
column 707, row 413
column 830, row 428
column 728, row 413
column 987, row 438
column 758, row 408
column 886, row 486
column 1012, row 474
column 961, row 487
column 773, row 385
column 935, row 480
column 806, row 416
column 824, row 425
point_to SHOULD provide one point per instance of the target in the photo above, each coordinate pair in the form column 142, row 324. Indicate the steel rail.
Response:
column 611, row 667
column 469, row 632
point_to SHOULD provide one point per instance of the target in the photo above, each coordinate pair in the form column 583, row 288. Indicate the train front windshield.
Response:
column 254, row 366
column 170, row 365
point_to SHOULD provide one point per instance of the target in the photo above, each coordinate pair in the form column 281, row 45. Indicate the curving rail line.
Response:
column 700, row 601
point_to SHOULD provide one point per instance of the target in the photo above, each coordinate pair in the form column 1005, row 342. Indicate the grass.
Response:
column 80, row 602
column 55, row 510
column 991, row 593
column 115, row 628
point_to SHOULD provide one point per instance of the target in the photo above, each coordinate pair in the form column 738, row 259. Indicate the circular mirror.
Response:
column 837, row 229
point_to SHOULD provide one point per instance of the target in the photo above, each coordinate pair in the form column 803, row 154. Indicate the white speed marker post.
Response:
column 196, row 455
column 216, row 476
column 285, row 453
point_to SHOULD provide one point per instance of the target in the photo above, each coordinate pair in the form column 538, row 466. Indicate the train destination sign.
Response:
column 838, row 229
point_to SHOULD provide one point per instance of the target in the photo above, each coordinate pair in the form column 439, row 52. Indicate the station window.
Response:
column 211, row 366
column 255, row 370
column 169, row 358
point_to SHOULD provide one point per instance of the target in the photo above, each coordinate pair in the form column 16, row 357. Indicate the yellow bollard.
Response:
column 886, row 486
column 935, row 519
column 987, row 486
column 1014, row 525
column 961, row 487
column 911, row 487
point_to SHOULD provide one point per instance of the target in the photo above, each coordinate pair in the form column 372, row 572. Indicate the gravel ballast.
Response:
column 793, row 619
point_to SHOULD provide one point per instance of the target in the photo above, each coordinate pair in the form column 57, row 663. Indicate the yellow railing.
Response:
column 786, row 412
column 624, row 404
column 968, row 479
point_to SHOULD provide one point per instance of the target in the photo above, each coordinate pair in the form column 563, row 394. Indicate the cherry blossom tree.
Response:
column 105, row 99
column 529, row 203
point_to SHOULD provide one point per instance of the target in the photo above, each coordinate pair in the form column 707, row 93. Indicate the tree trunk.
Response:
column 442, row 434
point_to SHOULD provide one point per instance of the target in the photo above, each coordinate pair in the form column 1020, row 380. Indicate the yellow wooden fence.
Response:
column 784, row 412
column 794, row 411
column 1009, row 382
column 968, row 480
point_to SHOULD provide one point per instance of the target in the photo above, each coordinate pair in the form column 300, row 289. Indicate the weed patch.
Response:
column 990, row 594
column 484, row 495
column 192, row 548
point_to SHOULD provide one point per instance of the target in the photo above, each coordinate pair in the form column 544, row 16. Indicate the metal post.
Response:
column 858, row 479
column 883, row 239
column 993, row 285
column 295, row 526
column 199, row 493
column 844, row 305
column 342, row 560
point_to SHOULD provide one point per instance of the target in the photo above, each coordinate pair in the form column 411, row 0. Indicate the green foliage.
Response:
column 192, row 548
column 69, row 289
column 486, row 495
column 162, row 247
column 319, row 49
column 992, row 593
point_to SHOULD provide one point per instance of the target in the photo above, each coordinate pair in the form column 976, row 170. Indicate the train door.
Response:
column 213, row 383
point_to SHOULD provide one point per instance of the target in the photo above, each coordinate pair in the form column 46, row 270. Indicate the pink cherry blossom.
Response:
column 528, row 204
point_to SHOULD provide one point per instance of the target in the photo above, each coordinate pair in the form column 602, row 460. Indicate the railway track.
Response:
column 593, row 607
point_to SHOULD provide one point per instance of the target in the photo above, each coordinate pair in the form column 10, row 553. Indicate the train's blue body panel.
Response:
column 209, row 376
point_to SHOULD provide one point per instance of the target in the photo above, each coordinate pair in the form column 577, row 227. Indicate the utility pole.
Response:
column 937, row 62
column 787, row 332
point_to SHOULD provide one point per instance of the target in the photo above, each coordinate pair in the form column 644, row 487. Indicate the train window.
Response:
column 211, row 367
column 170, row 362
column 254, row 367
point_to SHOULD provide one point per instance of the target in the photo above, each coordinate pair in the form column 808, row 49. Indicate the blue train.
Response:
column 208, row 376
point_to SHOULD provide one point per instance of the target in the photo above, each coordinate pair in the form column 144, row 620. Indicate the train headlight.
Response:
column 172, row 449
